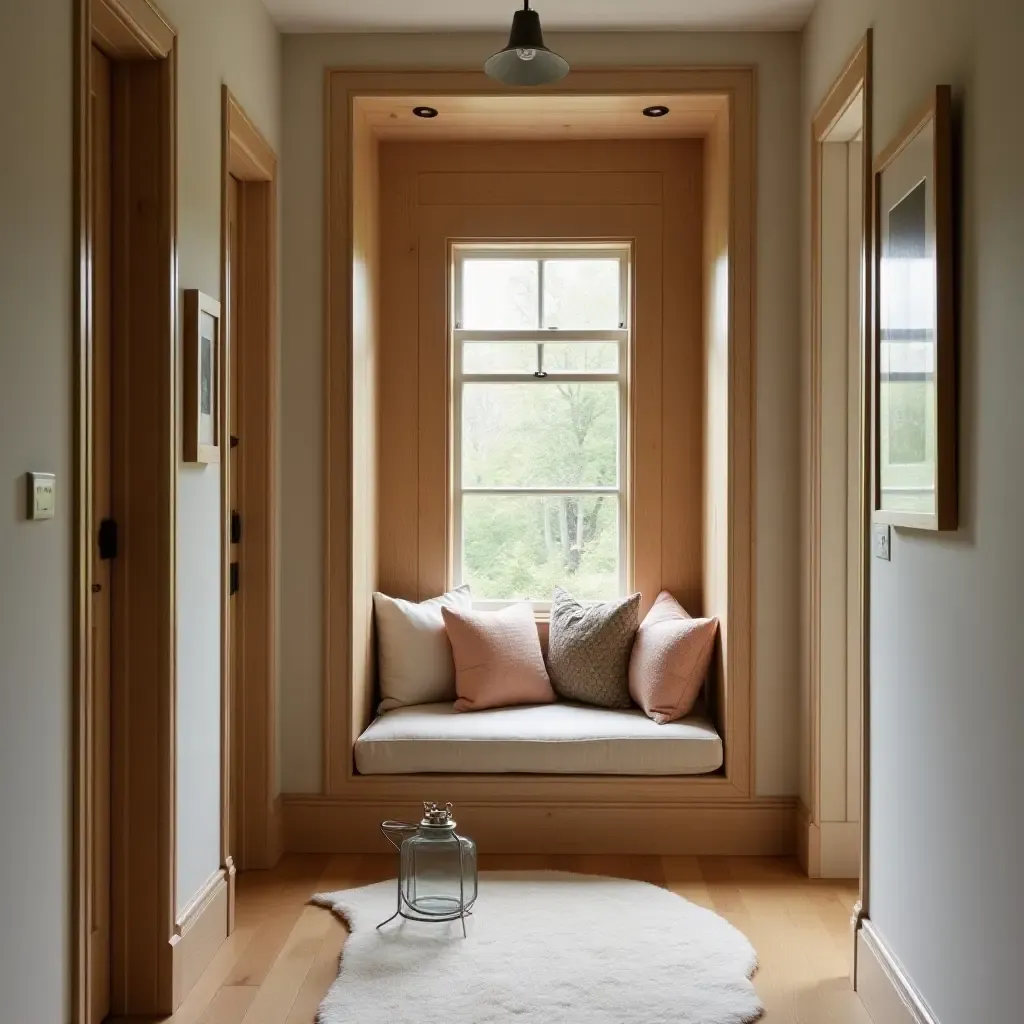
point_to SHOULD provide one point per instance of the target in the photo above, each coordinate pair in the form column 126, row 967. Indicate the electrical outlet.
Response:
column 883, row 541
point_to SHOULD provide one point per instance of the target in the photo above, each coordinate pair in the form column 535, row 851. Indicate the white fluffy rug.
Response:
column 543, row 948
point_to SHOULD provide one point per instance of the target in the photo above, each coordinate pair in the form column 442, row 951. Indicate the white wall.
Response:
column 777, row 59
column 947, row 728
column 232, row 40
column 35, row 558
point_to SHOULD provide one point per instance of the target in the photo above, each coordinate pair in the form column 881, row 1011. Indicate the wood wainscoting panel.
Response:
column 648, row 192
column 762, row 827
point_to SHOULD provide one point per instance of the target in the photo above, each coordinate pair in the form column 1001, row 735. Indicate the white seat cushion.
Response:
column 553, row 739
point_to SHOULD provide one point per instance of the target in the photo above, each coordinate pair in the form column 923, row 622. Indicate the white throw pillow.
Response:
column 414, row 657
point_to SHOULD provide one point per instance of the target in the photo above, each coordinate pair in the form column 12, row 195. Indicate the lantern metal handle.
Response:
column 397, row 827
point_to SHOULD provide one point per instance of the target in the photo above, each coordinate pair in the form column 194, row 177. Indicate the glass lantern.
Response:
column 437, row 877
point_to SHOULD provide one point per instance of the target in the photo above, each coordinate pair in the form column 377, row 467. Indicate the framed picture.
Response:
column 914, row 399
column 202, row 369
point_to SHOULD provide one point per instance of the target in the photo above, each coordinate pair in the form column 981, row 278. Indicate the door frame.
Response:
column 249, row 797
column 855, row 79
column 141, row 43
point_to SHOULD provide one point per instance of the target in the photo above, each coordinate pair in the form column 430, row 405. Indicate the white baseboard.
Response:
column 884, row 988
column 199, row 931
column 839, row 849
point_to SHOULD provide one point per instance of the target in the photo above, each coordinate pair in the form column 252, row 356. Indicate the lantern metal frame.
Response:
column 406, row 908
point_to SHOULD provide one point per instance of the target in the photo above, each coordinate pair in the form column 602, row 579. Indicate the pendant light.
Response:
column 526, row 60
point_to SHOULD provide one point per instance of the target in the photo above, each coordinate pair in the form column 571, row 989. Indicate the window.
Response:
column 540, row 358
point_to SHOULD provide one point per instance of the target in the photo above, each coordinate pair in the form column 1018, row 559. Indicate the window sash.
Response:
column 619, row 336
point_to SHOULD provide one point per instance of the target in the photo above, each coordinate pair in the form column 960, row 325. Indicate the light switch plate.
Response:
column 883, row 541
column 42, row 495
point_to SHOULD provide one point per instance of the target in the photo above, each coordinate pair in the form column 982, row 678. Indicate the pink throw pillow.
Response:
column 498, row 661
column 670, row 660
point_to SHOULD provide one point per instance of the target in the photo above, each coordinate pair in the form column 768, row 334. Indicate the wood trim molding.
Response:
column 884, row 987
column 249, row 715
column 342, row 89
column 199, row 931
column 131, row 30
column 143, row 666
column 761, row 827
column 249, row 156
column 145, row 673
column 853, row 80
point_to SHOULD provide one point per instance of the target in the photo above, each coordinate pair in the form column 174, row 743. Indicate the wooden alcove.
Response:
column 546, row 814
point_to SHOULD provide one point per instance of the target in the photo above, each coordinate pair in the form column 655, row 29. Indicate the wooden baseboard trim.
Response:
column 760, row 827
column 199, row 931
column 884, row 988
column 829, row 849
column 839, row 849
column 808, row 842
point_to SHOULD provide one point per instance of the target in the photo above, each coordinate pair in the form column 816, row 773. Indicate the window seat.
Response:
column 551, row 739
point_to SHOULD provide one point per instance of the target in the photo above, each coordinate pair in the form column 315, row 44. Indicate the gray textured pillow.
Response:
column 589, row 647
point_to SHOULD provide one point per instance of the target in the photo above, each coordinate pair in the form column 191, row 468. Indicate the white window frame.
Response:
column 622, row 336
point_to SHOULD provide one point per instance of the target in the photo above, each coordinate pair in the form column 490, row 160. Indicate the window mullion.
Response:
column 540, row 295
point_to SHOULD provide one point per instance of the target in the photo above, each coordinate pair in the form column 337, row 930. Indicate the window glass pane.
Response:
column 582, row 357
column 540, row 434
column 581, row 294
column 500, row 295
column 516, row 547
column 499, row 357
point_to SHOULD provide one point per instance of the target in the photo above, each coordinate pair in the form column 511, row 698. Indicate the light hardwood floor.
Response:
column 283, row 954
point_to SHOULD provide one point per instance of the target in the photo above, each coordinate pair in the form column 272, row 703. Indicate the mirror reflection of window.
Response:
column 907, row 357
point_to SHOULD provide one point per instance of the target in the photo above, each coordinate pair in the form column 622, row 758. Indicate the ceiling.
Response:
column 569, row 15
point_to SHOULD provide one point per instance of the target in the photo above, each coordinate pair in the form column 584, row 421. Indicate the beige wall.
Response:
column 777, row 59
column 947, row 725
column 35, row 558
column 234, row 41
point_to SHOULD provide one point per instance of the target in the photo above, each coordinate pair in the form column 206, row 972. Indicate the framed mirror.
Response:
column 914, row 405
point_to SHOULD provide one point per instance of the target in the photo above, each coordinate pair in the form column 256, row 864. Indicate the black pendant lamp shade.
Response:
column 526, row 60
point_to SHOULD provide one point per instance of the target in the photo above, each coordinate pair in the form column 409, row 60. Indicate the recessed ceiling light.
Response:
column 655, row 111
column 425, row 111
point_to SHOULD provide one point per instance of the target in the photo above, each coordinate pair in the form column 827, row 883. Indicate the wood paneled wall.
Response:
column 366, row 300
column 716, row 394
column 351, row 803
column 648, row 192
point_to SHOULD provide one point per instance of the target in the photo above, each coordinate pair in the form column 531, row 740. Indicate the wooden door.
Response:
column 233, row 312
column 102, row 513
